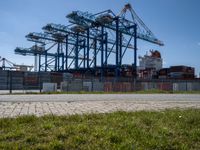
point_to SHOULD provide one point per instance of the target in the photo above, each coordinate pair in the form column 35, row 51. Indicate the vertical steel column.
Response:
column 62, row 56
column 56, row 62
column 76, row 51
column 135, row 51
column 102, row 52
column 117, row 47
column 84, row 54
column 66, row 53
column 95, row 53
column 63, row 61
column 58, row 57
column 46, row 61
column 3, row 64
column 36, row 62
column 120, row 49
column 88, row 47
column 106, row 49
column 39, row 62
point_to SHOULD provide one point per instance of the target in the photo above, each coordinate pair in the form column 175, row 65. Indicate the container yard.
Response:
column 88, row 55
column 101, row 74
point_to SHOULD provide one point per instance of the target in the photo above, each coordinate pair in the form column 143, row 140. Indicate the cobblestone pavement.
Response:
column 39, row 105
column 98, row 97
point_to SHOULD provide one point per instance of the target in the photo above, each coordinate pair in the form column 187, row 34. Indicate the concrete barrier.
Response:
column 49, row 87
column 64, row 86
column 87, row 86
column 98, row 86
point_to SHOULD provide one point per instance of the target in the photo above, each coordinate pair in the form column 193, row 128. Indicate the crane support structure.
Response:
column 89, row 41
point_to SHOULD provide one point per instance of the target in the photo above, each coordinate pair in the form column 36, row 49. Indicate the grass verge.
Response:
column 134, row 92
column 169, row 129
column 154, row 91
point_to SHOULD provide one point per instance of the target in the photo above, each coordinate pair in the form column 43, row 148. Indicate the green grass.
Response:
column 169, row 129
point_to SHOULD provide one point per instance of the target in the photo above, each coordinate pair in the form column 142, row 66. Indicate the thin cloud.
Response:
column 198, row 44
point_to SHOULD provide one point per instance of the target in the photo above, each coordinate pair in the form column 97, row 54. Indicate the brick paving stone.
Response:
column 78, row 104
column 99, row 97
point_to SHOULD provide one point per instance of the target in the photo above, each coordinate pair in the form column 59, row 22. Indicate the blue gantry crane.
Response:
column 88, row 42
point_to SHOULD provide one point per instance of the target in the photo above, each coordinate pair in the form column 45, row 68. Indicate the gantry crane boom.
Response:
column 64, row 29
column 32, row 52
column 86, row 19
column 42, row 37
column 145, row 33
column 90, row 41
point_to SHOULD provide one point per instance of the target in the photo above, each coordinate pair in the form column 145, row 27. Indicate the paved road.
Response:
column 39, row 105
column 98, row 97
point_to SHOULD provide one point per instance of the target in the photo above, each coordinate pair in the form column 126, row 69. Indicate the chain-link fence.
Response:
column 24, row 82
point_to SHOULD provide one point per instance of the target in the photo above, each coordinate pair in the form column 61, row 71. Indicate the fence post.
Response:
column 24, row 82
column 186, row 86
column 134, row 84
column 39, row 80
column 10, row 75
column 82, row 82
column 92, row 84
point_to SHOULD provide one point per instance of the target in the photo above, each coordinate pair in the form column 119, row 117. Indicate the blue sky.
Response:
column 176, row 22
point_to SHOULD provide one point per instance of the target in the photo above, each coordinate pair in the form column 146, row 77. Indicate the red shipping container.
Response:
column 108, row 87
column 165, row 86
column 126, row 87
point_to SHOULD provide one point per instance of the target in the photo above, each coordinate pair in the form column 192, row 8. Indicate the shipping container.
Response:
column 108, row 87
